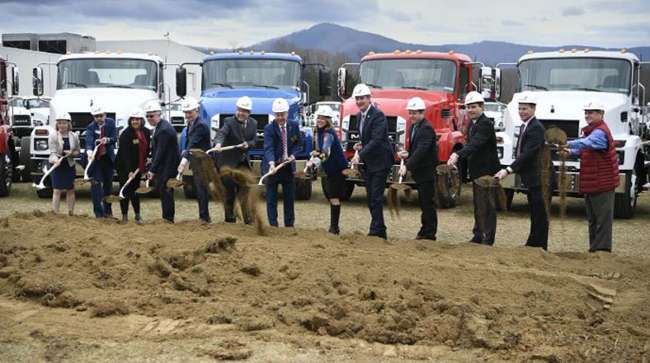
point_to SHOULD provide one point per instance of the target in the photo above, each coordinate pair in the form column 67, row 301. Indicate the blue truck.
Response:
column 263, row 77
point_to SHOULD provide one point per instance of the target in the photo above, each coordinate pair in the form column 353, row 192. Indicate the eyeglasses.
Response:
column 150, row 116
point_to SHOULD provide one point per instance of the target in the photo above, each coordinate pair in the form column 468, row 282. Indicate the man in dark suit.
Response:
column 422, row 159
column 375, row 153
column 240, row 131
column 528, row 165
column 282, row 141
column 198, row 137
column 102, row 132
column 483, row 160
column 164, row 157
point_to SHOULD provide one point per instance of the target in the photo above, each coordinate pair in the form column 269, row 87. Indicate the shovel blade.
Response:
column 174, row 183
column 351, row 173
column 399, row 186
column 110, row 199
column 143, row 190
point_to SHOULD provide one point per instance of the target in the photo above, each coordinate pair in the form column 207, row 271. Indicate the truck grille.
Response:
column 178, row 121
column 81, row 120
column 22, row 120
column 570, row 127
column 262, row 121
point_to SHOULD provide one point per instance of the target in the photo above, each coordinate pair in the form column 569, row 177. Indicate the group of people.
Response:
column 157, row 157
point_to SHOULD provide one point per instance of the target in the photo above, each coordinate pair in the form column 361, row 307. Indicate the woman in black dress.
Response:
column 133, row 150
column 64, row 146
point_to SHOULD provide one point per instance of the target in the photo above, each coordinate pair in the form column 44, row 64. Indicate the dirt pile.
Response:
column 521, row 304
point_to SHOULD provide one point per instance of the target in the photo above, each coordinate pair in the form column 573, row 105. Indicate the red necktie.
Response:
column 102, row 149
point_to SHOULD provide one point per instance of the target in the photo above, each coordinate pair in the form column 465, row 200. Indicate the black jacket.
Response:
column 376, row 153
column 232, row 133
column 128, row 152
column 423, row 152
column 481, row 149
column 528, row 162
column 164, row 151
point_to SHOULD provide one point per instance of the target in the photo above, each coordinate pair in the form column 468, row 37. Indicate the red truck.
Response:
column 7, row 148
column 441, row 79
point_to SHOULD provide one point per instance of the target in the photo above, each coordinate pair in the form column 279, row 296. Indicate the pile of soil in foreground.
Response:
column 521, row 303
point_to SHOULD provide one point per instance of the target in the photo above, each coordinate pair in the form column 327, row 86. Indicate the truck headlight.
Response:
column 38, row 123
column 40, row 145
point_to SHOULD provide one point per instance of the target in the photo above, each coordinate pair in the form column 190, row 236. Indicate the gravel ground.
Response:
column 570, row 234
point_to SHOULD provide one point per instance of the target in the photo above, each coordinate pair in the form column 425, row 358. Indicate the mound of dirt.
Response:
column 522, row 303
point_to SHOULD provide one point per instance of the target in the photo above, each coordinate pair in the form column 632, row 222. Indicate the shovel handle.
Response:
column 41, row 184
column 90, row 162
column 225, row 148
column 128, row 181
column 275, row 170
column 401, row 164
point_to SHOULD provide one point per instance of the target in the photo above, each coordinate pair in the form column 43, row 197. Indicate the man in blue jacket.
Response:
column 164, row 157
column 198, row 137
column 281, row 143
column 101, row 132
column 375, row 153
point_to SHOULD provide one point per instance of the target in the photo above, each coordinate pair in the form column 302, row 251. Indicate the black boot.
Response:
column 335, row 213
column 138, row 218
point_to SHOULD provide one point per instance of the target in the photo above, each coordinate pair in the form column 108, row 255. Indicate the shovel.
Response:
column 314, row 162
column 273, row 171
column 41, row 184
column 145, row 189
column 393, row 198
column 116, row 198
column 352, row 171
column 86, row 178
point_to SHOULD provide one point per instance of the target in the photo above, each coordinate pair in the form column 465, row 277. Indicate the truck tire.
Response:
column 188, row 187
column 303, row 189
column 23, row 159
column 448, row 190
column 349, row 188
column 5, row 176
column 625, row 203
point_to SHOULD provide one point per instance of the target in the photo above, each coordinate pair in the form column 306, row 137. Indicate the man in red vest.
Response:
column 598, row 175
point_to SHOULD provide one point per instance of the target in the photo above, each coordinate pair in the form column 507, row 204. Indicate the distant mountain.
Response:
column 336, row 38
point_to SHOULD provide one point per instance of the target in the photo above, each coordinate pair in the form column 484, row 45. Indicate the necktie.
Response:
column 102, row 149
column 361, row 123
column 412, row 133
column 522, row 129
column 285, row 156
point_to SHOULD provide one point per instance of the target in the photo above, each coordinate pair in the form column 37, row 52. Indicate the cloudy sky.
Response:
column 234, row 23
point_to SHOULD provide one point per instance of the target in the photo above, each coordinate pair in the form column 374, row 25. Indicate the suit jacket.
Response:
column 164, row 151
column 198, row 136
column 376, row 153
column 528, row 161
column 232, row 133
column 128, row 152
column 93, row 133
column 423, row 152
column 481, row 149
column 55, row 141
column 273, row 144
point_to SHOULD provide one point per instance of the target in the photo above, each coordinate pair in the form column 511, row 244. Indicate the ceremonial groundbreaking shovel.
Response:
column 41, row 184
column 352, row 171
column 393, row 200
column 86, row 178
column 145, row 189
column 273, row 171
column 116, row 198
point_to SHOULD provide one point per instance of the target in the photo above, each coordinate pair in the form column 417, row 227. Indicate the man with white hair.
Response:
column 101, row 133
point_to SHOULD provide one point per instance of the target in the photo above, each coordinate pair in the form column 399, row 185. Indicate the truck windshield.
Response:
column 576, row 74
column 427, row 74
column 107, row 73
column 36, row 103
column 262, row 73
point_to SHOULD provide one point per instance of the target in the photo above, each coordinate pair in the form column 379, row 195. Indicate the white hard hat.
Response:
column 189, row 104
column 96, row 110
column 361, row 90
column 473, row 97
column 324, row 111
column 245, row 103
column 153, row 106
column 527, row 97
column 63, row 116
column 137, row 113
column 594, row 106
column 280, row 105
column 415, row 104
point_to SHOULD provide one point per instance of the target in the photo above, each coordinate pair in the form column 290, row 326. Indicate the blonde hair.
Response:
column 56, row 125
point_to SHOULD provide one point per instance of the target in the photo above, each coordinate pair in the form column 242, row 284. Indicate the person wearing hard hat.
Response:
column 421, row 160
column 132, row 153
column 598, row 175
column 239, row 130
column 374, row 150
column 101, row 134
column 483, row 160
column 164, row 157
column 63, row 143
column 197, row 136
column 528, row 164
column 282, row 141
column 331, row 159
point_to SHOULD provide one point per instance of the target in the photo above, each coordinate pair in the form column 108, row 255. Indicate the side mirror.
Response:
column 181, row 82
column 324, row 78
column 37, row 81
column 15, row 81
column 341, row 83
column 490, row 83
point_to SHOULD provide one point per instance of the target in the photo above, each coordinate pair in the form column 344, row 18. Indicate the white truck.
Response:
column 563, row 81
column 119, row 82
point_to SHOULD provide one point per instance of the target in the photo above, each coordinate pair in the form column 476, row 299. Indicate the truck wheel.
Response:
column 303, row 189
column 188, row 187
column 625, row 203
column 5, row 176
column 44, row 193
column 448, row 189
column 23, row 159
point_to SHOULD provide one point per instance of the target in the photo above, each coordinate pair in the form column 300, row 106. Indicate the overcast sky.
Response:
column 235, row 23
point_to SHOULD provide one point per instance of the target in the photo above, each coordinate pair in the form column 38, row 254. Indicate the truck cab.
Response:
column 263, row 77
column 564, row 81
column 8, row 154
column 119, row 82
column 441, row 79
